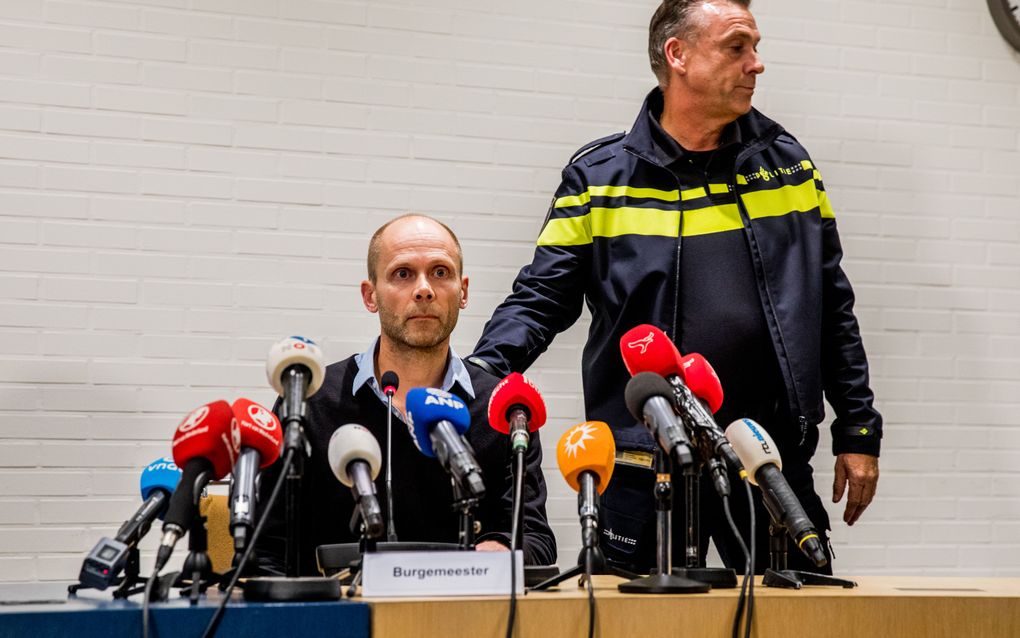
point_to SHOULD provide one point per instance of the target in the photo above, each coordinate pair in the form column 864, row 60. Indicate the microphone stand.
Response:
column 662, row 580
column 197, row 573
column 467, row 526
column 391, row 528
column 717, row 577
column 591, row 561
column 779, row 576
column 292, row 586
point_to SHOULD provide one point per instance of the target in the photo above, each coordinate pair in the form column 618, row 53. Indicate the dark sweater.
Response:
column 422, row 492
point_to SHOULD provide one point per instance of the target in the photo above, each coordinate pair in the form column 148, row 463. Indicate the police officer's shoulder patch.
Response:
column 599, row 143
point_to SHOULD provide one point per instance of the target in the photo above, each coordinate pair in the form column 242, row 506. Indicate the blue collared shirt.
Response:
column 456, row 372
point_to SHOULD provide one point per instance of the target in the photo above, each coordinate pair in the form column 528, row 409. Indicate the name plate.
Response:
column 457, row 573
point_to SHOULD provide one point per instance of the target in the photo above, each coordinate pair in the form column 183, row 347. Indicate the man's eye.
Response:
column 402, row 273
column 442, row 272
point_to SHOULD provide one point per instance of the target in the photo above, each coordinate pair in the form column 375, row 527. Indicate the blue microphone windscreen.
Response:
column 428, row 406
column 161, row 474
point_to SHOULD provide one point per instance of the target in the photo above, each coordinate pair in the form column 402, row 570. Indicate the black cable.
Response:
column 145, row 602
column 588, row 569
column 748, row 567
column 515, row 521
column 214, row 622
column 750, row 593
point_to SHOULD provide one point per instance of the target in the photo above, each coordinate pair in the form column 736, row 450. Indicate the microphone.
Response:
column 649, row 399
column 390, row 383
column 108, row 557
column 645, row 348
column 295, row 368
column 439, row 419
column 516, row 408
column 355, row 458
column 205, row 446
column 261, row 436
column 586, row 455
column 763, row 464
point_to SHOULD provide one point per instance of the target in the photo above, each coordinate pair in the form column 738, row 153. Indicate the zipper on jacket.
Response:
column 793, row 392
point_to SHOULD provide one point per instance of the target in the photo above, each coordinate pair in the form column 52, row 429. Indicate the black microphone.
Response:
column 390, row 383
column 106, row 560
column 763, row 464
column 354, row 458
column 649, row 398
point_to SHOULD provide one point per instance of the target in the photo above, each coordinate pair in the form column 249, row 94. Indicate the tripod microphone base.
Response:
column 664, row 584
column 792, row 579
column 282, row 589
column 717, row 577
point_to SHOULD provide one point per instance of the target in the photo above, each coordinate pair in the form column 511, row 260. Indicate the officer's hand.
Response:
column 860, row 471
column 491, row 546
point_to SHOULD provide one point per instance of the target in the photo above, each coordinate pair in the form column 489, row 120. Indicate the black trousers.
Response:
column 628, row 517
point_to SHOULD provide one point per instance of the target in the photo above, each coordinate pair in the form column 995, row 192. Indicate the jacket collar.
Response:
column 752, row 130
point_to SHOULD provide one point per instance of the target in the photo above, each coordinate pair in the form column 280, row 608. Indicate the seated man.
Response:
column 416, row 286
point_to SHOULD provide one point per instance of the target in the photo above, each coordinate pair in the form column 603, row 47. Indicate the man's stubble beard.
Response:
column 417, row 342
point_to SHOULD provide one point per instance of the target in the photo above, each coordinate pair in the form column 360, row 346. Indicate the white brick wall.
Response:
column 181, row 184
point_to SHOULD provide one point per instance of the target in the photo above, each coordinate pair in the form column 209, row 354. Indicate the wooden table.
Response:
column 880, row 607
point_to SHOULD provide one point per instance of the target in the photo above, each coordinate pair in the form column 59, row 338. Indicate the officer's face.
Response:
column 721, row 61
column 418, row 292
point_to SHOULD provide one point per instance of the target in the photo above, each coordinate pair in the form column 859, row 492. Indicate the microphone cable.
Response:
column 214, row 622
column 588, row 569
column 747, row 584
column 516, row 526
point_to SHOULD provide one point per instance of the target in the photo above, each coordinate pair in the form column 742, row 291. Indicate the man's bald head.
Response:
column 375, row 244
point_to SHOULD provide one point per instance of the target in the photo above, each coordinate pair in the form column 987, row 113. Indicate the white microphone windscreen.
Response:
column 295, row 351
column 753, row 445
column 352, row 442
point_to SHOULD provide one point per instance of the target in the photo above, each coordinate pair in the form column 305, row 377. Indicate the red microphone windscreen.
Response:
column 587, row 447
column 645, row 348
column 260, row 430
column 515, row 390
column 209, row 432
column 702, row 380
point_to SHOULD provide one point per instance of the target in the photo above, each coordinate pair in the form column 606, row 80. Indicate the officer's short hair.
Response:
column 674, row 19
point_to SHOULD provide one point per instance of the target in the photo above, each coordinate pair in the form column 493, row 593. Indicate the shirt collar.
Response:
column 669, row 150
column 456, row 373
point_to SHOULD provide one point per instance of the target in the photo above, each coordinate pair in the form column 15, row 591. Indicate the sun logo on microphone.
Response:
column 642, row 343
column 576, row 437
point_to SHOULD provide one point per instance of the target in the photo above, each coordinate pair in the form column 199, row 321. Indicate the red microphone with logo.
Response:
column 516, row 408
column 205, row 447
column 261, row 440
column 646, row 348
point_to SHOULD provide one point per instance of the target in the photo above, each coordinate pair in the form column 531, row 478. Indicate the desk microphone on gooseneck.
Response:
column 390, row 382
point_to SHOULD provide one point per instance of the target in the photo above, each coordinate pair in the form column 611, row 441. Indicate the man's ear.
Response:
column 676, row 51
column 463, row 292
column 368, row 296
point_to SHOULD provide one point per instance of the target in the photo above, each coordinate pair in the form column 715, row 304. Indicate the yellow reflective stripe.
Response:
column 613, row 222
column 807, row 164
column 695, row 193
column 713, row 219
column 824, row 206
column 781, row 201
column 741, row 180
column 566, row 231
column 630, row 191
column 572, row 200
